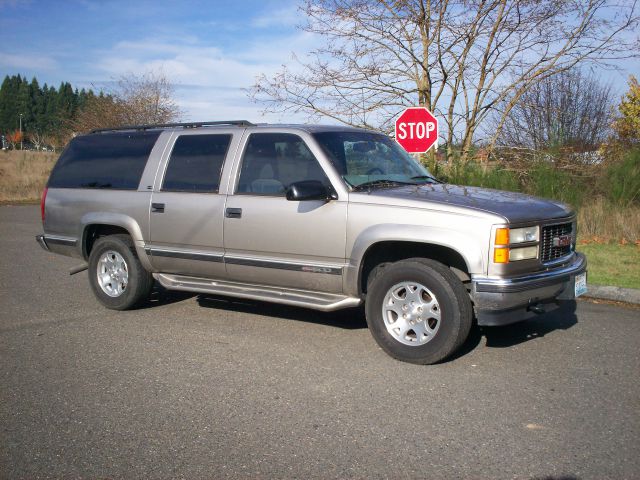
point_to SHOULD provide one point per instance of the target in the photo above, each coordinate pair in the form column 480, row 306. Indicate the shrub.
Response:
column 479, row 176
column 547, row 181
column 623, row 180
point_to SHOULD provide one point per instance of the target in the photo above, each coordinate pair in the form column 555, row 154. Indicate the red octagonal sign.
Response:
column 416, row 130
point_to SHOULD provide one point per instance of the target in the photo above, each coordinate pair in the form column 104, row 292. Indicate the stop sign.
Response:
column 416, row 130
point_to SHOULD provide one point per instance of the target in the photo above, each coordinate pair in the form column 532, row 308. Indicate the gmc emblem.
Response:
column 562, row 241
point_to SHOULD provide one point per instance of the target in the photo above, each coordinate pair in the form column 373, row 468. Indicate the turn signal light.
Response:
column 502, row 236
column 501, row 255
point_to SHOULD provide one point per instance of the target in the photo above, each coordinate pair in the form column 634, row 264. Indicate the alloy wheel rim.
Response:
column 113, row 273
column 411, row 313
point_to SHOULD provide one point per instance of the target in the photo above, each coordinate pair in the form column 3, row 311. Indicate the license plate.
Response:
column 581, row 284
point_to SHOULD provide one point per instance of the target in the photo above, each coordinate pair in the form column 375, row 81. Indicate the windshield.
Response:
column 366, row 159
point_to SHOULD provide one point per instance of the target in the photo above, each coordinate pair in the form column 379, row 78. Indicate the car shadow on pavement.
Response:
column 561, row 319
column 509, row 335
column 354, row 318
column 349, row 318
column 161, row 296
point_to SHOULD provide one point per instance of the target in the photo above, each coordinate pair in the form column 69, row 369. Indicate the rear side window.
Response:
column 196, row 163
column 105, row 160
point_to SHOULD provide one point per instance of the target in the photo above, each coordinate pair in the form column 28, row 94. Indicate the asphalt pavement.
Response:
column 194, row 386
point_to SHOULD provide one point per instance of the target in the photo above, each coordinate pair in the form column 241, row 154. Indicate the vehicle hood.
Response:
column 515, row 207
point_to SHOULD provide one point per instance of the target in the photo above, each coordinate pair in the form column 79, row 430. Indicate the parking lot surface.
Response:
column 194, row 386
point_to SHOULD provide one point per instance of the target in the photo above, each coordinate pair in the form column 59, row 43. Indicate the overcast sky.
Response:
column 211, row 50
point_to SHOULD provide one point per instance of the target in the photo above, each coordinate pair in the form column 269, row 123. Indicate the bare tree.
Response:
column 100, row 111
column 462, row 59
column 571, row 110
column 58, row 140
column 145, row 99
column 37, row 139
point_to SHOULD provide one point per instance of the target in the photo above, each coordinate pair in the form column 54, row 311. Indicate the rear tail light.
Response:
column 42, row 202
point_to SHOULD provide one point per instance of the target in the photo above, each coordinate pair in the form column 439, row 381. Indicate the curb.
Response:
column 617, row 294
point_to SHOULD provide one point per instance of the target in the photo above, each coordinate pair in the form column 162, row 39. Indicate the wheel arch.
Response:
column 390, row 243
column 96, row 225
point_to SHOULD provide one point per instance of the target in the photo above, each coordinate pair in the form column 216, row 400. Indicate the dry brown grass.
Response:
column 23, row 175
column 600, row 221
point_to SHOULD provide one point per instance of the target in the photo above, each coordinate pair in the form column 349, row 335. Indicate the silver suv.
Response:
column 322, row 217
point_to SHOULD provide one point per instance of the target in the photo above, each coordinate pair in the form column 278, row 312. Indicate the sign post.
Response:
column 416, row 130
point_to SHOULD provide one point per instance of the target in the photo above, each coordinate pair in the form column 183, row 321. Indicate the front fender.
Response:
column 466, row 245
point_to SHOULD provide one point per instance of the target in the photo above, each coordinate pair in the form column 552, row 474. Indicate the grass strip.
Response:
column 613, row 264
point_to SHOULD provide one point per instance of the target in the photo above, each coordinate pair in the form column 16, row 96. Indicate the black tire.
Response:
column 452, row 302
column 140, row 281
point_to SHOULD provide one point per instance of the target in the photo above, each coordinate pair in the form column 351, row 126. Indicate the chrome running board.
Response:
column 325, row 302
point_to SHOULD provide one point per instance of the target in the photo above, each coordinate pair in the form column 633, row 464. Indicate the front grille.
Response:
column 547, row 251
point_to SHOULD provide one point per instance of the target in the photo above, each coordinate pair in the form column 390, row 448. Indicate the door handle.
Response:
column 157, row 207
column 233, row 213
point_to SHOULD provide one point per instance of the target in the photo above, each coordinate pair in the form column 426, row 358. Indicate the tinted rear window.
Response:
column 106, row 160
column 195, row 163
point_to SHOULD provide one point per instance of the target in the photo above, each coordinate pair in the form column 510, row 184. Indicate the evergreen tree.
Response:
column 51, row 110
column 8, row 104
column 37, row 107
column 65, row 103
column 45, row 110
column 23, row 104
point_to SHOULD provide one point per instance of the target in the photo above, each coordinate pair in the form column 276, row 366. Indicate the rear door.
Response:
column 187, row 204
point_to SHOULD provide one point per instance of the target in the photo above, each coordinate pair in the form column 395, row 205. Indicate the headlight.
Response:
column 523, row 253
column 507, row 238
column 526, row 234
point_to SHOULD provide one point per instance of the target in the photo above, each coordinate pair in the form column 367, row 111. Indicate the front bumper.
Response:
column 500, row 301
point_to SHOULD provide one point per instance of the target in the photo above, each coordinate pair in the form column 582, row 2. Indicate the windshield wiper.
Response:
column 425, row 177
column 380, row 183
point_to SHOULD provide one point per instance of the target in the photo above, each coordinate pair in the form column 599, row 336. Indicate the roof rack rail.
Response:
column 237, row 123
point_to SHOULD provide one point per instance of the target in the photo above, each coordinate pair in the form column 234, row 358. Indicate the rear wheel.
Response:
column 418, row 310
column 117, row 278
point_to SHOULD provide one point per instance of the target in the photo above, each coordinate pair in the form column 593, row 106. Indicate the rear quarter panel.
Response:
column 68, row 211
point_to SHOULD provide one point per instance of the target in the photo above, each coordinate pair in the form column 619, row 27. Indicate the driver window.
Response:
column 273, row 161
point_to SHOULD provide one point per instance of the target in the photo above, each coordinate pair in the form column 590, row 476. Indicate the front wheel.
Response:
column 117, row 278
column 418, row 310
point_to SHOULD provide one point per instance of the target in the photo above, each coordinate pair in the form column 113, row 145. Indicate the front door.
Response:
column 273, row 241
column 187, row 209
